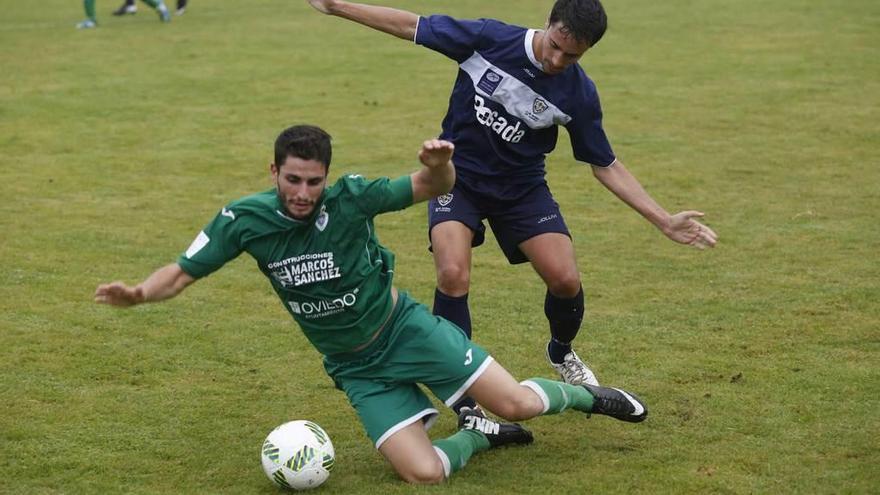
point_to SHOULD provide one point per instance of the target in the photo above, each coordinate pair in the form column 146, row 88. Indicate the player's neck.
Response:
column 537, row 40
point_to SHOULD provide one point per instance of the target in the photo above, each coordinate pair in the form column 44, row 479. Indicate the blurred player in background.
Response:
column 130, row 7
column 515, row 88
column 91, row 20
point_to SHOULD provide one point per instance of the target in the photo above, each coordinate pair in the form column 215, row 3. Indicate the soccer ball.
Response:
column 298, row 455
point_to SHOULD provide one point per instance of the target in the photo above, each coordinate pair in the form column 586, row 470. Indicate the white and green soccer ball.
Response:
column 298, row 455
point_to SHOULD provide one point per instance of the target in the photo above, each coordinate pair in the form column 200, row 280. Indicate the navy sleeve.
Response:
column 588, row 140
column 457, row 39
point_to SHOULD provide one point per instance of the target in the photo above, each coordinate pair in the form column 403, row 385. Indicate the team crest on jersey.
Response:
column 539, row 105
column 323, row 219
column 445, row 199
column 490, row 81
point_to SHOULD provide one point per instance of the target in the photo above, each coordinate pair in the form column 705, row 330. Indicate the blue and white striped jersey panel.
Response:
column 517, row 98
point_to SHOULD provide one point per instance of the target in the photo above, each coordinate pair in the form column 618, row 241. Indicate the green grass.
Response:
column 759, row 359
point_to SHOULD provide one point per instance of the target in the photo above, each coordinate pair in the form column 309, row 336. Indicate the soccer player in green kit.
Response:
column 317, row 245
column 129, row 7
column 91, row 21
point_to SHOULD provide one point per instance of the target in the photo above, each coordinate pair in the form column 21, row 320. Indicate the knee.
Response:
column 453, row 279
column 429, row 471
column 565, row 284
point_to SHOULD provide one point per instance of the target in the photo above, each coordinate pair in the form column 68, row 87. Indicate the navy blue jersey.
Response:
column 504, row 111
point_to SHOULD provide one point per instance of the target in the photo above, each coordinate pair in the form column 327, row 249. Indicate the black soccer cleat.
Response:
column 497, row 433
column 617, row 403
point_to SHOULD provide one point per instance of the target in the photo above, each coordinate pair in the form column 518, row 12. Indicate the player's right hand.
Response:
column 118, row 294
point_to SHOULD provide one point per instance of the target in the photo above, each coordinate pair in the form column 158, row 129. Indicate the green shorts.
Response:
column 415, row 347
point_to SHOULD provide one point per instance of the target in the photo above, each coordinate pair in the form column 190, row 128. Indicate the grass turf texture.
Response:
column 758, row 359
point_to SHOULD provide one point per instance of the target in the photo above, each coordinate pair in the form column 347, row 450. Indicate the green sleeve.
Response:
column 380, row 195
column 218, row 243
column 401, row 192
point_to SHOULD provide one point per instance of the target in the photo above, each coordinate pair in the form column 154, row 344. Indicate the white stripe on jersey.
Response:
column 517, row 98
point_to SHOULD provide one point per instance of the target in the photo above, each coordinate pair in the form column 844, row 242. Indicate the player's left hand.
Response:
column 684, row 229
column 436, row 153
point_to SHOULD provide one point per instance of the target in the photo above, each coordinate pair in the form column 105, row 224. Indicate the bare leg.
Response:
column 500, row 393
column 412, row 455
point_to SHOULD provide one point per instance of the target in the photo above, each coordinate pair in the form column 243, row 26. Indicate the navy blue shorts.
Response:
column 512, row 220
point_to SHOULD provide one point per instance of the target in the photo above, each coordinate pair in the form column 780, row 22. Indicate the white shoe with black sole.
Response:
column 574, row 371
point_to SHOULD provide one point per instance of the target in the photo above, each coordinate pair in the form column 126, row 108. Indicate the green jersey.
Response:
column 329, row 270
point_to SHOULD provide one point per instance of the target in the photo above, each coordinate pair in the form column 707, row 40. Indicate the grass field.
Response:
column 759, row 359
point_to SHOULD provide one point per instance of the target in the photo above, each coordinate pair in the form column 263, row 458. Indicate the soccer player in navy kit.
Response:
column 515, row 88
column 317, row 246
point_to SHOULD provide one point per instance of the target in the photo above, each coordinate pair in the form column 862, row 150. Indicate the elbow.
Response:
column 408, row 33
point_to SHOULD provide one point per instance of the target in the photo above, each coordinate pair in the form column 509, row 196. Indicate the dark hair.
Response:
column 583, row 19
column 303, row 141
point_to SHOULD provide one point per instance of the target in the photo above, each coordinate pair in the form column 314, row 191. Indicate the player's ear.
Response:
column 273, row 169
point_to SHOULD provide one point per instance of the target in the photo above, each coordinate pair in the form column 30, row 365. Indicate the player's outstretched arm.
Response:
column 680, row 227
column 164, row 283
column 437, row 175
column 396, row 22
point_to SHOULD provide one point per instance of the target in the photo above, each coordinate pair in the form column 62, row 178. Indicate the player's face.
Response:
column 557, row 49
column 300, row 184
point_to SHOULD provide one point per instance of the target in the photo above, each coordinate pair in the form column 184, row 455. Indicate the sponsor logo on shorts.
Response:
column 548, row 218
column 444, row 201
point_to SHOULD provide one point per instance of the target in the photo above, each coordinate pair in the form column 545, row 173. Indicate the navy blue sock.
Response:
column 557, row 350
column 565, row 316
column 454, row 309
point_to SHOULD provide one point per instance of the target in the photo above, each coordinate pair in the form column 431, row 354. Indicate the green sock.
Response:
column 89, row 5
column 458, row 448
column 559, row 396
